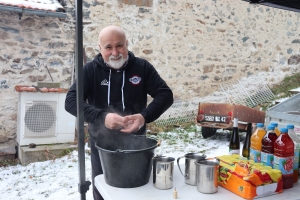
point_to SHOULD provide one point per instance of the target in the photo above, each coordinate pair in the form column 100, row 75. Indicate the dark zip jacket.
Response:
column 122, row 91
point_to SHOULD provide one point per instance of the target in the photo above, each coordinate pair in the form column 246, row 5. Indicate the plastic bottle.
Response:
column 234, row 144
column 246, row 146
column 267, row 150
column 255, row 146
column 254, row 126
column 276, row 130
column 296, row 140
column 284, row 157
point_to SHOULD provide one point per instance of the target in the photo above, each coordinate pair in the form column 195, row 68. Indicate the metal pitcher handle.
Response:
column 179, row 165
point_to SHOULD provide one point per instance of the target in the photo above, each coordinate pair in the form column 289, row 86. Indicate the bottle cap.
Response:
column 274, row 124
column 290, row 126
column 260, row 125
column 271, row 127
column 284, row 130
column 235, row 122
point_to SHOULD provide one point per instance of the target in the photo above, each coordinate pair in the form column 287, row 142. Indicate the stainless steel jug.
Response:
column 207, row 175
column 190, row 167
column 163, row 172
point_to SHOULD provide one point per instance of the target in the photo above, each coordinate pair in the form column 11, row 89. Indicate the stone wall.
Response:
column 195, row 45
column 32, row 49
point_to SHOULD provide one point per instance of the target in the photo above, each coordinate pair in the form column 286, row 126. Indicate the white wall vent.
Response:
column 42, row 119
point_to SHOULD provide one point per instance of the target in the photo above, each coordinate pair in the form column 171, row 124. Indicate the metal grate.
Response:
column 40, row 119
column 179, row 112
column 247, row 93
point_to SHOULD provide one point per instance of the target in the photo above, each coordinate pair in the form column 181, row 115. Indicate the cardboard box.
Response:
column 247, row 179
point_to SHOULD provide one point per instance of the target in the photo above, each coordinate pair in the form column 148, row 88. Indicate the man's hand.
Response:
column 115, row 121
column 133, row 123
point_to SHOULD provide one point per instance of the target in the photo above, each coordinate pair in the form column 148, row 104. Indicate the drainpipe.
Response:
column 43, row 13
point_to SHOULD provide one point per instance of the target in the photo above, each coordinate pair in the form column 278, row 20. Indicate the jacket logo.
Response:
column 104, row 82
column 135, row 80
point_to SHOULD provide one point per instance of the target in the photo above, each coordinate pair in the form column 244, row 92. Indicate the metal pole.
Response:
column 83, row 185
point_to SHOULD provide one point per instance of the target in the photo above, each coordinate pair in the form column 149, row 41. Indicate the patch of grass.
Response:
column 282, row 89
column 288, row 83
column 65, row 152
column 154, row 129
column 172, row 142
column 12, row 162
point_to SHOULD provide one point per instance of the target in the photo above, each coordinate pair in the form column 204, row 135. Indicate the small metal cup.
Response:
column 163, row 172
column 207, row 175
column 190, row 167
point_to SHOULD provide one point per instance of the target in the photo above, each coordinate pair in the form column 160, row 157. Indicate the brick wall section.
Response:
column 195, row 45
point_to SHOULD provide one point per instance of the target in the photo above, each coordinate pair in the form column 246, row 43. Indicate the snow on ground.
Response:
column 56, row 179
column 59, row 179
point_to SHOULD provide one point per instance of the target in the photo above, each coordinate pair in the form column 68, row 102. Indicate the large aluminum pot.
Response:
column 126, row 159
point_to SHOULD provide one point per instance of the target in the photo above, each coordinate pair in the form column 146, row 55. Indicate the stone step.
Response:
column 43, row 152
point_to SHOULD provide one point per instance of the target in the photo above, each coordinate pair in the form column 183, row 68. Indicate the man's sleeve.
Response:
column 91, row 114
column 160, row 92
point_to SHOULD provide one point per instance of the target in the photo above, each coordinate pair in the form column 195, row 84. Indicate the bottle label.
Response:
column 267, row 159
column 296, row 158
column 255, row 155
column 284, row 164
column 234, row 151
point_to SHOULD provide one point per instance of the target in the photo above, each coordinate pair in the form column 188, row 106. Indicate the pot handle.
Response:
column 179, row 165
column 158, row 143
column 119, row 151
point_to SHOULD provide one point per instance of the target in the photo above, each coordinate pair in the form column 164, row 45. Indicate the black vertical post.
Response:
column 83, row 185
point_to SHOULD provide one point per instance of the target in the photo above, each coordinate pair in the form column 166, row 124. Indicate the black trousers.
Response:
column 96, row 168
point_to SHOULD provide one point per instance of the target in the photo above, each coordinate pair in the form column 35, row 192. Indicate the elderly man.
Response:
column 116, row 85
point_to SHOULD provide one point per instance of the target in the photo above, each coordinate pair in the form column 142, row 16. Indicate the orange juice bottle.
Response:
column 256, row 139
column 276, row 130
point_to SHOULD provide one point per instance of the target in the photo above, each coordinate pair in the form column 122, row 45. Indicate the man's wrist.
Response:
column 144, row 114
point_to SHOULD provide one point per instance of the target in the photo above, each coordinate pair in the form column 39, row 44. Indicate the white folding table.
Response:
column 184, row 191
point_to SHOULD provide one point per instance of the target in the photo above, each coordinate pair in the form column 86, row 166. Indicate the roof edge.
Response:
column 43, row 13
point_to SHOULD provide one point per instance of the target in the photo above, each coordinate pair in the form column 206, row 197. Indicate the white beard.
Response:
column 116, row 64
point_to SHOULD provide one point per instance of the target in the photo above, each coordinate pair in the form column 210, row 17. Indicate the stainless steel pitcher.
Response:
column 163, row 172
column 190, row 167
column 207, row 175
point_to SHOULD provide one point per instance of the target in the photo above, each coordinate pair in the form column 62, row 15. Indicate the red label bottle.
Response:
column 284, row 157
column 267, row 150
column 296, row 140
